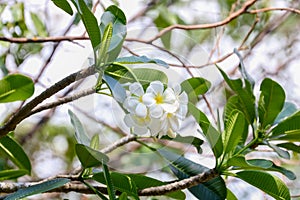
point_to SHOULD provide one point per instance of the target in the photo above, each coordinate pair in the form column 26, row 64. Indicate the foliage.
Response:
column 154, row 113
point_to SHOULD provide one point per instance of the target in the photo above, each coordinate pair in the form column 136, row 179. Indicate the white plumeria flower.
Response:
column 157, row 111
column 134, row 102
column 138, row 124
column 159, row 100
column 183, row 100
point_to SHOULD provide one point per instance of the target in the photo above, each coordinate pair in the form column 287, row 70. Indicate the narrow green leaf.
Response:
column 80, row 133
column 95, row 142
column 12, row 174
column 282, row 153
column 115, row 87
column 64, row 5
column 89, row 21
column 15, row 87
column 245, row 96
column 196, row 142
column 109, row 183
column 184, row 168
column 123, row 196
column 38, row 188
column 212, row 135
column 121, row 182
column 40, row 27
column 230, row 195
column 288, row 110
column 15, row 153
column 145, row 76
column 140, row 60
column 117, row 18
column 89, row 157
column 234, row 131
column 270, row 184
column 103, row 56
column 231, row 105
column 131, row 183
column 271, row 102
column 290, row 146
column 195, row 87
column 239, row 162
column 289, row 126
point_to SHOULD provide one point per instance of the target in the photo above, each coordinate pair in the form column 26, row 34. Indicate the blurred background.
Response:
column 267, row 41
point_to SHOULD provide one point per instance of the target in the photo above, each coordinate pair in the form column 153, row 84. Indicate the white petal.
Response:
column 128, row 120
column 140, row 130
column 183, row 98
column 141, row 110
column 174, row 123
column 169, row 96
column 156, row 112
column 155, row 127
column 155, row 87
column 148, row 99
column 170, row 108
column 182, row 111
column 136, row 88
column 130, row 103
column 177, row 89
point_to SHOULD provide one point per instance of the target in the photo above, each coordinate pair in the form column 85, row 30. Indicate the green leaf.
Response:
column 240, row 162
column 109, row 183
column 38, row 188
column 290, row 146
column 12, row 174
column 232, row 105
column 15, row 153
column 184, row 168
column 64, row 5
column 145, row 76
column 103, row 55
column 289, row 126
column 271, row 102
column 131, row 183
column 212, row 135
column 116, row 88
column 270, row 184
column 244, row 94
column 282, row 153
column 121, row 182
column 234, row 131
column 243, row 70
column 195, row 87
column 89, row 157
column 288, row 109
column 89, row 21
column 196, row 142
column 80, row 133
column 140, row 60
column 123, row 196
column 95, row 142
column 117, row 18
column 15, row 87
column 230, row 195
column 40, row 27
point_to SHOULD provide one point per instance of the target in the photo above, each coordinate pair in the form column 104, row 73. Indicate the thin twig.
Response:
column 43, row 39
column 25, row 110
column 63, row 101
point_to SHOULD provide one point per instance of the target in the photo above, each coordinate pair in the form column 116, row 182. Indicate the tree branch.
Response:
column 76, row 186
column 63, row 101
column 25, row 110
column 231, row 17
column 44, row 39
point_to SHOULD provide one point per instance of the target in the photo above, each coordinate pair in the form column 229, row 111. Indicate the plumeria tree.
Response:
column 162, row 119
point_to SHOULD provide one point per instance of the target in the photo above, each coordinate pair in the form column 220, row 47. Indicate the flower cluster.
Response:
column 157, row 110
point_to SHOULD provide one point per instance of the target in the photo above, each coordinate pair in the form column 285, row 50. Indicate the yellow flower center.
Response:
column 159, row 99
